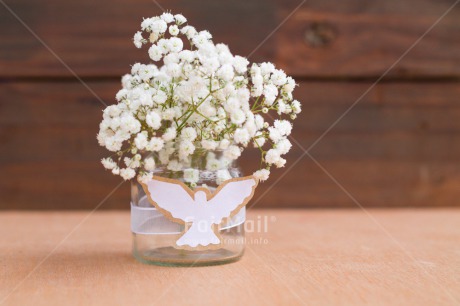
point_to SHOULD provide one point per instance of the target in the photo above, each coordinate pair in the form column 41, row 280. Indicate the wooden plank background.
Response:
column 399, row 146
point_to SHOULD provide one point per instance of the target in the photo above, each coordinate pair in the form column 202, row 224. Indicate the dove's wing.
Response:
column 172, row 198
column 230, row 196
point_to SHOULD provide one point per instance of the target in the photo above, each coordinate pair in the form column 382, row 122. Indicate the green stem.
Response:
column 195, row 108
column 255, row 103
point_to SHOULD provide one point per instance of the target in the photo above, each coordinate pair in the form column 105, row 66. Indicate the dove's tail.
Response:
column 198, row 234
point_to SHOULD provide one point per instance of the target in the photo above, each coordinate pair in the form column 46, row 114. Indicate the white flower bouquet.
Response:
column 194, row 99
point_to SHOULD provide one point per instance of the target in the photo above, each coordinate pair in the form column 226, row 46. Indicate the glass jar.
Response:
column 155, row 236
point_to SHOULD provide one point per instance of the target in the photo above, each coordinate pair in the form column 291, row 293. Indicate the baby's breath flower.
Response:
column 226, row 72
column 272, row 156
column 241, row 136
column 280, row 162
column 241, row 64
column 155, row 53
column 274, row 134
column 160, row 97
column 169, row 134
column 174, row 30
column 145, row 178
column 141, row 141
column 296, row 107
column 191, row 175
column 108, row 163
column 283, row 146
column 237, row 116
column 180, row 19
column 266, row 68
column 213, row 164
column 127, row 173
column 167, row 17
column 262, row 175
column 159, row 26
column 209, row 145
column 283, row 126
column 149, row 164
column 189, row 134
column 186, row 148
column 195, row 101
column 138, row 39
column 131, row 163
column 259, row 142
column 155, row 144
column 175, row 44
column 222, row 176
column 224, row 144
column 278, row 77
column 153, row 120
column 233, row 152
column 189, row 31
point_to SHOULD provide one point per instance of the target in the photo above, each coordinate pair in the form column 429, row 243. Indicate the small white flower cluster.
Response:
column 201, row 99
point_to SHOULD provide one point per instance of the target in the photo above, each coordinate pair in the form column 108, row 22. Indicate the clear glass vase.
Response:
column 155, row 236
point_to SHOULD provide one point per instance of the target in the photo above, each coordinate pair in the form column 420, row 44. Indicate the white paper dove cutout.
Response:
column 202, row 210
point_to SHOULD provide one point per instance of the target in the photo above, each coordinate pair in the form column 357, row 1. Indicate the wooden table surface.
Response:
column 311, row 257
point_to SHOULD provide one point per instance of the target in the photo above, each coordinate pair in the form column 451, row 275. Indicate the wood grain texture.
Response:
column 94, row 38
column 316, row 257
column 321, row 39
column 398, row 147
column 357, row 38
